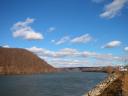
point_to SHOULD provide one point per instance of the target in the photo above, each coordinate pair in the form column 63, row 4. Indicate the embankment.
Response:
column 111, row 86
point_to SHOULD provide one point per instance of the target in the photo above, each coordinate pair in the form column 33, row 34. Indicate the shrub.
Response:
column 125, row 84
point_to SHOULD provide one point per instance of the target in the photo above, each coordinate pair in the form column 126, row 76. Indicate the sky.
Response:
column 67, row 33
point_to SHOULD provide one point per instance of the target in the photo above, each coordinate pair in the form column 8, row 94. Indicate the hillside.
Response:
column 21, row 61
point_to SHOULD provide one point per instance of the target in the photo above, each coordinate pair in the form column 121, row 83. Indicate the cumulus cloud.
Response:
column 55, row 54
column 35, row 49
column 98, row 56
column 6, row 46
column 82, row 39
column 70, row 52
column 41, row 52
column 51, row 29
column 126, row 49
column 112, row 44
column 69, row 63
column 24, row 30
column 62, row 40
column 113, row 8
column 74, row 57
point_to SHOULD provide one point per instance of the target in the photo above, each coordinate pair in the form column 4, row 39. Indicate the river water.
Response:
column 50, row 84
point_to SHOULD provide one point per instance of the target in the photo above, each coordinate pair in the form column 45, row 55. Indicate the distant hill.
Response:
column 21, row 61
column 83, row 69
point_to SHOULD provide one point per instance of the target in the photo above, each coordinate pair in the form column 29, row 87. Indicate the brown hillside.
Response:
column 21, row 61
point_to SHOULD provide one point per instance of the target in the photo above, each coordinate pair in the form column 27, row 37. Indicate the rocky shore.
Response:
column 111, row 86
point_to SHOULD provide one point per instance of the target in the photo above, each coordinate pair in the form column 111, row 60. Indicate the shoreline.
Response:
column 114, row 85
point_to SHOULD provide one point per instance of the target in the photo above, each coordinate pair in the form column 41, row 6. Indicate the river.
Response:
column 49, row 84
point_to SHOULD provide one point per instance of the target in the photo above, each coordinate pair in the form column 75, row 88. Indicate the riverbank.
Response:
column 115, row 84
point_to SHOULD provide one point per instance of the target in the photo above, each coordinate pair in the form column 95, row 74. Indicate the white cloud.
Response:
column 89, row 53
column 41, row 51
column 69, row 63
column 98, row 56
column 112, row 44
column 24, row 30
column 82, row 39
column 55, row 54
column 126, row 49
column 73, row 57
column 51, row 29
column 107, row 57
column 62, row 40
column 6, row 46
column 70, row 52
column 113, row 8
column 35, row 49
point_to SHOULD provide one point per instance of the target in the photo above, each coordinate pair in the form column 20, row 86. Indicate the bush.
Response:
column 125, row 84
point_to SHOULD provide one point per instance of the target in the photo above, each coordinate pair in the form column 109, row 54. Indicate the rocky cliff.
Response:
column 21, row 61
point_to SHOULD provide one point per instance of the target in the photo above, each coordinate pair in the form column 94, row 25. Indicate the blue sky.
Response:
column 67, row 32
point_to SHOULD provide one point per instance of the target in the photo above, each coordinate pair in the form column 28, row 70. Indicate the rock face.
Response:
column 102, row 88
column 21, row 61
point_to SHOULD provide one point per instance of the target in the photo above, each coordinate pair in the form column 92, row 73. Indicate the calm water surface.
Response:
column 50, row 84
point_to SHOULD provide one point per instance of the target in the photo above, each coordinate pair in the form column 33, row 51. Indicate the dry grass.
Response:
column 114, row 89
column 110, row 70
column 125, row 84
column 120, row 85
